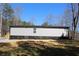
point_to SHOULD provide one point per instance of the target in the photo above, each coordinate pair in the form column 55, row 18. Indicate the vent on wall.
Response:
column 34, row 31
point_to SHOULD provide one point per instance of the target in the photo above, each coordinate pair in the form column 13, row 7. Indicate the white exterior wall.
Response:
column 51, row 32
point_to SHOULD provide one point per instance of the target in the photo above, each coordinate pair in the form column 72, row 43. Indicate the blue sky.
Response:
column 39, row 11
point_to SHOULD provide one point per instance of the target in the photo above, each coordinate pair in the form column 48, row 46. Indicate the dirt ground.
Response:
column 40, row 48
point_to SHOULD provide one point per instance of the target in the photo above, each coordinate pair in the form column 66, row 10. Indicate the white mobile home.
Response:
column 37, row 31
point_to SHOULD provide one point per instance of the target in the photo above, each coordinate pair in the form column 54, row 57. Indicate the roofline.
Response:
column 42, row 26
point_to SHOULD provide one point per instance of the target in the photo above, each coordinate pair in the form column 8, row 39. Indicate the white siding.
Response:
column 51, row 32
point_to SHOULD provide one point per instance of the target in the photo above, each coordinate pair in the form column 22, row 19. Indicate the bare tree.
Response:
column 70, row 18
column 17, row 17
column 75, row 14
column 7, row 14
column 48, row 20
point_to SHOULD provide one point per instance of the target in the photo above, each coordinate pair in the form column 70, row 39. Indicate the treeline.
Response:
column 9, row 16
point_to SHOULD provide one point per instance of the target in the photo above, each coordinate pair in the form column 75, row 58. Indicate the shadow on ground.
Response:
column 59, row 52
